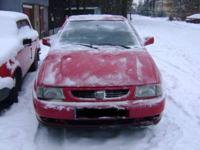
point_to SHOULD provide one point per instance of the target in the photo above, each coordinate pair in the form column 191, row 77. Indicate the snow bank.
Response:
column 6, row 82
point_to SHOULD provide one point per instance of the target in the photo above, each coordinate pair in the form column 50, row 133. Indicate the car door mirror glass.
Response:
column 46, row 41
column 27, row 41
column 148, row 41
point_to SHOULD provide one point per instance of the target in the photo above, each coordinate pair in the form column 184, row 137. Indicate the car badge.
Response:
column 100, row 95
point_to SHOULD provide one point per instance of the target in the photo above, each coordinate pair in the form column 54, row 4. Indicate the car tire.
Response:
column 18, row 85
column 34, row 65
column 13, row 95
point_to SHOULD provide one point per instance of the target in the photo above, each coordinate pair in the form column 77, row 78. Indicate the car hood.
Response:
column 98, row 68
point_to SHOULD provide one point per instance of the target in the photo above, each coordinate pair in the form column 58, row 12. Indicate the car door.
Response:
column 33, row 36
column 25, row 56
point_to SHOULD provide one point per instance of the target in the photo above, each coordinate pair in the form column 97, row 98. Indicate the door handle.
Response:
column 31, row 52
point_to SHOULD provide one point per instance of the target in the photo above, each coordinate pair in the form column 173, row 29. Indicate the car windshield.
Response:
column 113, row 33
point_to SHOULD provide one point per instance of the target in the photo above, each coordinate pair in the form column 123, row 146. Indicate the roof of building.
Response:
column 95, row 17
column 12, row 15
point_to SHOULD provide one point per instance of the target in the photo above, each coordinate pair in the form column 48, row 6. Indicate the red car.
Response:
column 98, row 72
column 19, row 45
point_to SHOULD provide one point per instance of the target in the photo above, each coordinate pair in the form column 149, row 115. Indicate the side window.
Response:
column 23, row 23
column 25, row 30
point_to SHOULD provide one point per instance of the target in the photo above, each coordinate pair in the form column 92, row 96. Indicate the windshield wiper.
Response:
column 111, row 44
column 86, row 45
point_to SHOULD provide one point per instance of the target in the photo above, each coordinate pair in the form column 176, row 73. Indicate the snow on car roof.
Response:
column 95, row 17
column 194, row 16
column 12, row 15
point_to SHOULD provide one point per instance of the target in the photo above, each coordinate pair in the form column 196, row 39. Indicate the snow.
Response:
column 139, row 68
column 176, row 52
column 9, row 48
column 7, row 27
column 107, row 79
column 12, row 15
column 94, row 17
column 51, row 77
column 194, row 16
column 69, row 82
column 6, row 82
column 11, row 39
column 62, row 105
column 28, row 33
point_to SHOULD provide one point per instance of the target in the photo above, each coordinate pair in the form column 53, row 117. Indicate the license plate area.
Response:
column 105, row 113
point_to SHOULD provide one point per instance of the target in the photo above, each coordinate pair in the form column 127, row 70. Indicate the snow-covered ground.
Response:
column 176, row 52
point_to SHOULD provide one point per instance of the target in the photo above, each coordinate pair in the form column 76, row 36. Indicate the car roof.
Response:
column 95, row 17
column 12, row 15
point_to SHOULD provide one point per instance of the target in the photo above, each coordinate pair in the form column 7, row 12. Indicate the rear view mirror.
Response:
column 27, row 41
column 46, row 41
column 148, row 41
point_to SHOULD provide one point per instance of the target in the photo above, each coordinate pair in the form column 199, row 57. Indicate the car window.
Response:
column 25, row 30
column 23, row 23
column 98, row 33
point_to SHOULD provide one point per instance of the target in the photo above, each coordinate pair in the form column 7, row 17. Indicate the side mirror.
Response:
column 46, row 41
column 148, row 41
column 27, row 41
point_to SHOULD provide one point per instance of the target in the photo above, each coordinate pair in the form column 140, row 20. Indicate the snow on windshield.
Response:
column 95, row 17
column 98, row 32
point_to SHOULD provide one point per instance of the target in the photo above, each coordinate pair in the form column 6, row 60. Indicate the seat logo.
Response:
column 100, row 95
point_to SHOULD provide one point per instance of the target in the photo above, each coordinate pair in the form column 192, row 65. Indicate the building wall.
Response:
column 11, row 5
column 17, row 5
column 38, row 2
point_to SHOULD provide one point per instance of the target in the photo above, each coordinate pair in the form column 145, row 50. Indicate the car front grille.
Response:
column 91, row 94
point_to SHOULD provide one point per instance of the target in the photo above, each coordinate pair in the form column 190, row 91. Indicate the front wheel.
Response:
column 14, row 92
column 12, row 98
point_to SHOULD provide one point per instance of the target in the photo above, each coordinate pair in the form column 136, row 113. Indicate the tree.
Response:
column 183, row 8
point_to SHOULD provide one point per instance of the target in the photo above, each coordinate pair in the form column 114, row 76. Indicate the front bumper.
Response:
column 140, row 112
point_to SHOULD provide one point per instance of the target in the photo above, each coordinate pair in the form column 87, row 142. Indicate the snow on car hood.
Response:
column 96, row 69
column 9, row 47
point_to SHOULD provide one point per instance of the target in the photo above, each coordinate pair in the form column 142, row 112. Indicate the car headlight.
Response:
column 145, row 91
column 50, row 93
